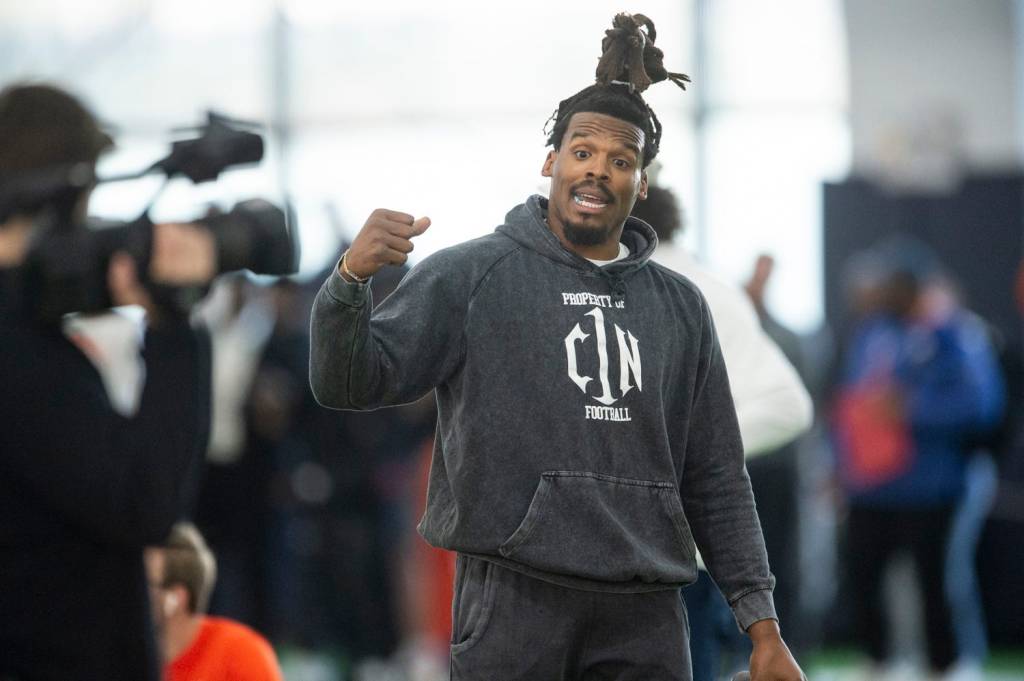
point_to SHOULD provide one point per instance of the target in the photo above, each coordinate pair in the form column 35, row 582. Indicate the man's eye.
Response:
column 621, row 163
column 581, row 154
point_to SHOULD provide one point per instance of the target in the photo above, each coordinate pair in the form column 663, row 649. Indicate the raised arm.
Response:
column 365, row 358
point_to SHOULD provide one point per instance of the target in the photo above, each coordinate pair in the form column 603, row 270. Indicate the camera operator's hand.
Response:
column 385, row 239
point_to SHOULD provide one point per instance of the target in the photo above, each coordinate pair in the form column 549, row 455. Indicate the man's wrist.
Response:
column 347, row 274
column 764, row 631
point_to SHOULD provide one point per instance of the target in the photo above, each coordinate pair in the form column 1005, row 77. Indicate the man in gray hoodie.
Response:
column 586, row 433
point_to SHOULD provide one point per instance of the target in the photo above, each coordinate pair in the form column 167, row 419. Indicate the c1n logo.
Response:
column 630, row 375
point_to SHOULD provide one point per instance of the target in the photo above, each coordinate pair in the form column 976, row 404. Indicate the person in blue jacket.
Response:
column 919, row 380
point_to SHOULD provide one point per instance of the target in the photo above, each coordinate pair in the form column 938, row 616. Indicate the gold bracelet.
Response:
column 347, row 272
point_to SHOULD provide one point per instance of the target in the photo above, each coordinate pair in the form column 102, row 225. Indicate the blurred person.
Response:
column 315, row 528
column 428, row 577
column 583, row 404
column 182, row 572
column 919, row 380
column 378, row 471
column 82, row 488
column 772, row 408
column 981, row 480
column 232, row 506
column 239, row 322
column 772, row 405
column 756, row 288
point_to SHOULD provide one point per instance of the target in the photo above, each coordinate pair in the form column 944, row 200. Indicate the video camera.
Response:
column 66, row 266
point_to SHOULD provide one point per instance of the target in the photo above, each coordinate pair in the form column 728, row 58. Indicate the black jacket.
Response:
column 82, row 491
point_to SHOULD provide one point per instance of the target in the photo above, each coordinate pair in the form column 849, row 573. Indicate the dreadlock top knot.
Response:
column 628, row 55
column 630, row 59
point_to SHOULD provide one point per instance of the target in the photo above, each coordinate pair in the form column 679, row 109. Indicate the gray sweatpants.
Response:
column 507, row 626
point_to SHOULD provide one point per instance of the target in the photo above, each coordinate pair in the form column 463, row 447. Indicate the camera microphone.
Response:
column 218, row 148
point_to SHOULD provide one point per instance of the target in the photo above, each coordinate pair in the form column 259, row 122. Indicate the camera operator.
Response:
column 83, row 489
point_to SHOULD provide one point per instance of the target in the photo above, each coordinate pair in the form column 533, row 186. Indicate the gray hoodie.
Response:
column 586, row 433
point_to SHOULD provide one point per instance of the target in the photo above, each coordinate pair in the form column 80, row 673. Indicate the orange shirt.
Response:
column 225, row 651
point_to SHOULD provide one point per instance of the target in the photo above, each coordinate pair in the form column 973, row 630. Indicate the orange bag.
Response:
column 875, row 444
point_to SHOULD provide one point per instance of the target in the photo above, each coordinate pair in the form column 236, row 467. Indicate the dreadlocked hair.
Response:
column 629, row 64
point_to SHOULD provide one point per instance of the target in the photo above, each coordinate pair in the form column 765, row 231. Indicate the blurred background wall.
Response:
column 438, row 109
column 934, row 67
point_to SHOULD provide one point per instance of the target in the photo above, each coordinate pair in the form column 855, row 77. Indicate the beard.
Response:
column 581, row 235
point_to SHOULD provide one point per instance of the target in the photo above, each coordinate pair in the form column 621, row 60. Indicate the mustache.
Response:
column 594, row 188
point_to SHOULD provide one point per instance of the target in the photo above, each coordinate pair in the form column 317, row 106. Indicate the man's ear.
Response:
column 549, row 163
column 642, row 194
column 175, row 600
column 170, row 604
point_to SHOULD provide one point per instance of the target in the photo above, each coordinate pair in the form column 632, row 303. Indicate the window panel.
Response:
column 764, row 179
column 365, row 60
column 786, row 53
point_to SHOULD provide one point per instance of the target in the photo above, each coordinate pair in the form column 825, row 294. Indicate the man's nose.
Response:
column 598, row 168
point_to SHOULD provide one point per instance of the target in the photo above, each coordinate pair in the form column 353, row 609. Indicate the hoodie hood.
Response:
column 526, row 224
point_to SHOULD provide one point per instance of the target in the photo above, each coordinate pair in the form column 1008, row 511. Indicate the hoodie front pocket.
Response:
column 604, row 528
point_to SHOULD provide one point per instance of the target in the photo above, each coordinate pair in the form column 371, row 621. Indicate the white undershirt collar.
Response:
column 623, row 253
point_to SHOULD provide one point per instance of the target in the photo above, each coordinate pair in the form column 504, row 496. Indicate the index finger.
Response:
column 394, row 216
column 418, row 226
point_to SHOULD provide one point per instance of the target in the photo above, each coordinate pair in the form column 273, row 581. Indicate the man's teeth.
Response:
column 586, row 203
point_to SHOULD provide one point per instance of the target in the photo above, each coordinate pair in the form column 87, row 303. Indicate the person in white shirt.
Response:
column 772, row 406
